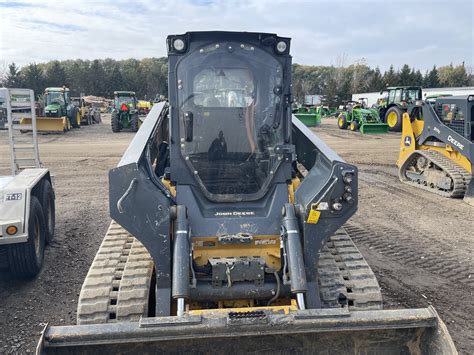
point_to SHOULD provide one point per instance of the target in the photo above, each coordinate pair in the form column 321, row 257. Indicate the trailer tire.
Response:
column 26, row 259
column 115, row 123
column 342, row 121
column 393, row 118
column 47, row 199
column 134, row 122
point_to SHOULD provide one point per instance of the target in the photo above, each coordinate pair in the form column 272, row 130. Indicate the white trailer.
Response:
column 27, row 200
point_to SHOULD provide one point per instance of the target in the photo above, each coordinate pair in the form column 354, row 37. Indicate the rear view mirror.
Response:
column 188, row 126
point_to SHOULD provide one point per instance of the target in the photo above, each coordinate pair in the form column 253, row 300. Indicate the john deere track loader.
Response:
column 437, row 147
column 227, row 226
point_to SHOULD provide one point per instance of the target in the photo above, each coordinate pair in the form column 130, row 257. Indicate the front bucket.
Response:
column 373, row 128
column 48, row 124
column 309, row 119
column 469, row 194
column 324, row 331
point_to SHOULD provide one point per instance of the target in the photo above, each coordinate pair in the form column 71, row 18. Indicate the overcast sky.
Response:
column 419, row 33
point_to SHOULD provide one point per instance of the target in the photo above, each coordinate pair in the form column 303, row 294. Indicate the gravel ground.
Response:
column 419, row 245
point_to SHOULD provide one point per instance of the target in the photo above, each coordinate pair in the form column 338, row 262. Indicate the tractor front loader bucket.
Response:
column 48, row 124
column 373, row 128
column 309, row 119
column 323, row 331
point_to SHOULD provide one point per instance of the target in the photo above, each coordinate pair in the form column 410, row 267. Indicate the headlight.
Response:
column 178, row 44
column 281, row 47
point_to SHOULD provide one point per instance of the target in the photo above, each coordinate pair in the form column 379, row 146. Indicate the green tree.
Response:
column 451, row 76
column 55, row 74
column 390, row 77
column 115, row 80
column 13, row 78
column 376, row 80
column 417, row 78
column 405, row 76
column 431, row 79
column 330, row 97
column 33, row 78
column 97, row 78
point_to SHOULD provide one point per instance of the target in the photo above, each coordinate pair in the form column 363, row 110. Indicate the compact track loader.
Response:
column 437, row 147
column 227, row 234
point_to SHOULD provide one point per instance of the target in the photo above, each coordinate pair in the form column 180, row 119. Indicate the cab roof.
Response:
column 266, row 39
column 457, row 98
column 125, row 93
column 56, row 89
column 402, row 87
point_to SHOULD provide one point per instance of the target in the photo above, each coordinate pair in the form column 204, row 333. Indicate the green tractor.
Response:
column 125, row 112
column 357, row 117
column 392, row 108
column 59, row 113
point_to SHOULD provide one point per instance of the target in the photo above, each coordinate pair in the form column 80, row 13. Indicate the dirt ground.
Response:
column 420, row 245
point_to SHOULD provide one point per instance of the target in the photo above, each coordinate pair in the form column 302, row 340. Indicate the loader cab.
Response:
column 403, row 95
column 126, row 98
column 56, row 101
column 230, row 113
column 457, row 113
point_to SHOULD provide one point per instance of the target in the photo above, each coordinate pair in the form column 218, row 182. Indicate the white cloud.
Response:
column 420, row 33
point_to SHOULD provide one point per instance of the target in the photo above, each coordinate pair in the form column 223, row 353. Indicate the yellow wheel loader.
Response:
column 227, row 226
column 437, row 147
column 59, row 113
column 89, row 113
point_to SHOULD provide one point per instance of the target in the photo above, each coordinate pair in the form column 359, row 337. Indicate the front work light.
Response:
column 281, row 47
column 178, row 44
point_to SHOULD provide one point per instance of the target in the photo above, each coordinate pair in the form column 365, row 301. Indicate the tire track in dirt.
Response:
column 411, row 247
column 414, row 272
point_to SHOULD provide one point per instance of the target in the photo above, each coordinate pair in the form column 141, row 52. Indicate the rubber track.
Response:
column 117, row 285
column 343, row 269
column 412, row 248
column 459, row 176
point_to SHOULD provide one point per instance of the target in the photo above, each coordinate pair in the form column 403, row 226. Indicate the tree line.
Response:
column 339, row 83
column 148, row 78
